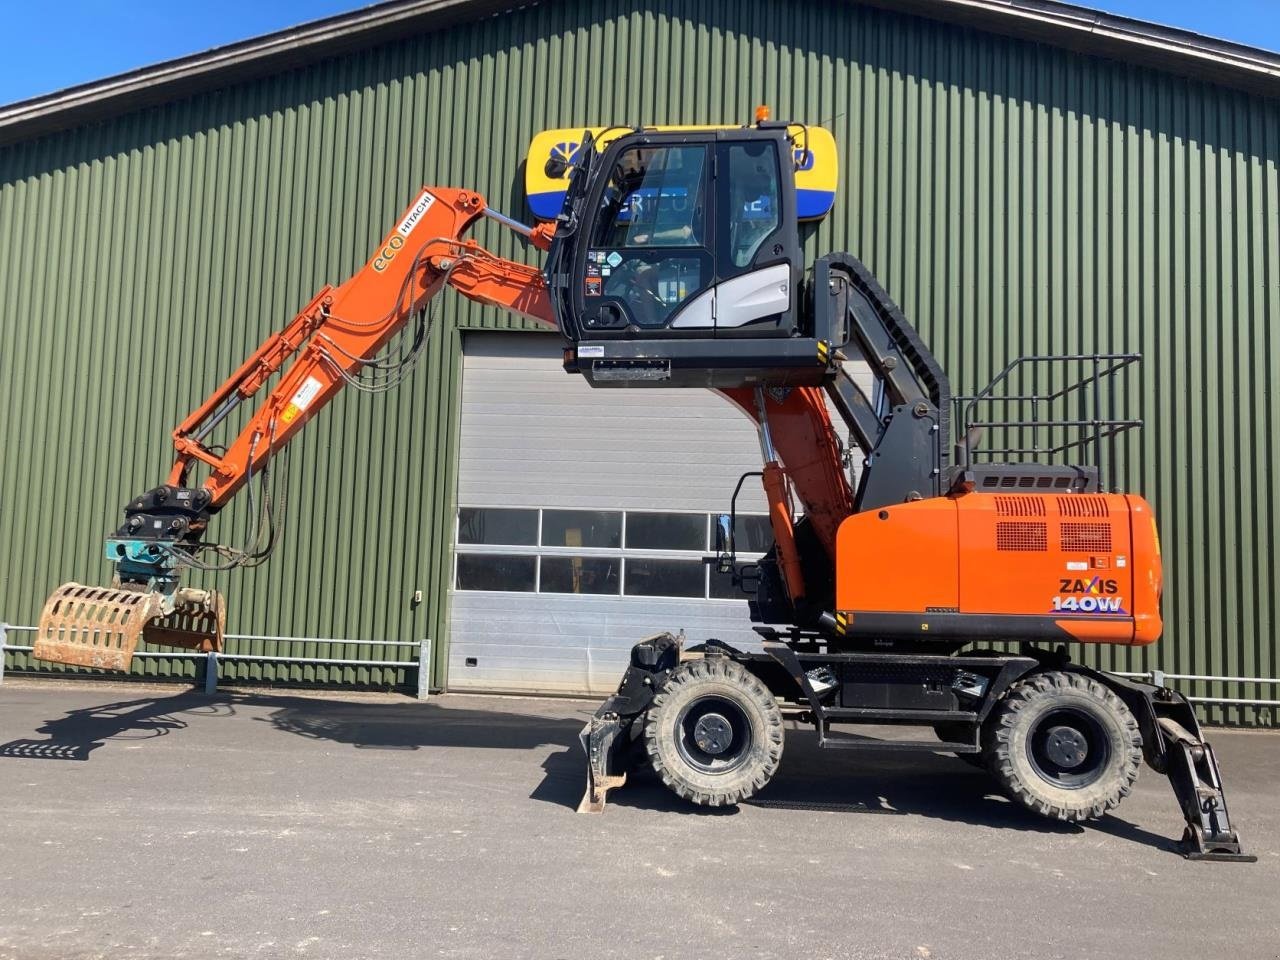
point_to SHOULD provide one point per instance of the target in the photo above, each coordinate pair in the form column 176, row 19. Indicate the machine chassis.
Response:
column 891, row 687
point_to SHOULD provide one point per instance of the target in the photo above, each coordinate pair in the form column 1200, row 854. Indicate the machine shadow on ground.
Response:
column 397, row 725
column 78, row 733
column 936, row 786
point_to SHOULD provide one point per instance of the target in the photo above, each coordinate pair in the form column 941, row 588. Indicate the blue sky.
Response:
column 74, row 41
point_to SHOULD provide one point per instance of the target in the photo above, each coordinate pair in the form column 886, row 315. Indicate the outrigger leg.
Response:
column 1174, row 745
column 607, row 736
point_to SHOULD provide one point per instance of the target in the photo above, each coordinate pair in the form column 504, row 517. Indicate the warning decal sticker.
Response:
column 301, row 400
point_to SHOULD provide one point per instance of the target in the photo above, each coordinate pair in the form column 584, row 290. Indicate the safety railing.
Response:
column 1023, row 419
column 211, row 659
column 1161, row 679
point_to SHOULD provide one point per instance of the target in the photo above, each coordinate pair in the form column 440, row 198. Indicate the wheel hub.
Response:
column 1069, row 747
column 1066, row 747
column 713, row 733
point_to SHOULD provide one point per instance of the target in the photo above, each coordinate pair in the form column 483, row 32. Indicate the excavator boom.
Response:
column 332, row 342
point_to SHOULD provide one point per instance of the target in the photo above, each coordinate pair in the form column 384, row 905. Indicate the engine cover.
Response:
column 1017, row 566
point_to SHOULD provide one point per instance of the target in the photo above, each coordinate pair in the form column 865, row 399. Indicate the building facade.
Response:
column 1019, row 184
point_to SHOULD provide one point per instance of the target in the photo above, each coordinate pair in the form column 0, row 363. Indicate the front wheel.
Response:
column 1063, row 745
column 714, row 732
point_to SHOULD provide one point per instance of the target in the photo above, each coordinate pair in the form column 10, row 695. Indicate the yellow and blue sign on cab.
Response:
column 814, row 150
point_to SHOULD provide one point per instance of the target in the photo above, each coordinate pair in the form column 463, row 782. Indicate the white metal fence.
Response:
column 1161, row 679
column 211, row 659
column 423, row 664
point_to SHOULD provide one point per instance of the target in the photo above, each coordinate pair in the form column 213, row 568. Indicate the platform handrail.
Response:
column 1089, row 427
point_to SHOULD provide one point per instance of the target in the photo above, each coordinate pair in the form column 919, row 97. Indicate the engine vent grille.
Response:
column 1083, row 507
column 1086, row 537
column 1023, row 506
column 1022, row 535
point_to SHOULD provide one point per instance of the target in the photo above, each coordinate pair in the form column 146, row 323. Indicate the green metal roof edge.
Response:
column 1077, row 28
column 249, row 59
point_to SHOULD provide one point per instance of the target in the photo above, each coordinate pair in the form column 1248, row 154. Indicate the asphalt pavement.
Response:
column 154, row 822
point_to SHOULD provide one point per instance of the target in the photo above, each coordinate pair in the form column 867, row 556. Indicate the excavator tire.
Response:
column 714, row 733
column 1063, row 745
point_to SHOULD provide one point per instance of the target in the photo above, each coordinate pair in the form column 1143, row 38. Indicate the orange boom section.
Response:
column 342, row 329
column 1082, row 567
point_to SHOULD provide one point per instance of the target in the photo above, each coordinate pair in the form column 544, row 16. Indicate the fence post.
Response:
column 424, row 668
column 210, row 673
column 4, row 635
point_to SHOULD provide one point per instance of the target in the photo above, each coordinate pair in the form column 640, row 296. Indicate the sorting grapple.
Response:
column 100, row 627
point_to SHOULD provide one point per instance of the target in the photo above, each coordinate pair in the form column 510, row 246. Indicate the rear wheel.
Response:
column 714, row 732
column 1063, row 746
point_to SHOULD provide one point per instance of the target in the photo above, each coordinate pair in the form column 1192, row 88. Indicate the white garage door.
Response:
column 583, row 518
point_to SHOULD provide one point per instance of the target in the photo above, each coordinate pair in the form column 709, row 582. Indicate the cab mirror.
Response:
column 724, row 543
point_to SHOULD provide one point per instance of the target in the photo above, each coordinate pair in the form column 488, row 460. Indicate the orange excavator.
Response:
column 934, row 583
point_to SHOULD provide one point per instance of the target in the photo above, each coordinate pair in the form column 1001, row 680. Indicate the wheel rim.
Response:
column 1069, row 748
column 713, row 735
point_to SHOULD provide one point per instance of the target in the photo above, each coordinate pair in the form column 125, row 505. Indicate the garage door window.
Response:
column 581, row 528
column 491, row 571
column 585, row 575
column 653, row 577
column 498, row 525
column 596, row 552
column 666, row 531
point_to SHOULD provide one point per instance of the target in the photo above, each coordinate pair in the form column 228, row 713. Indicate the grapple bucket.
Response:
column 100, row 627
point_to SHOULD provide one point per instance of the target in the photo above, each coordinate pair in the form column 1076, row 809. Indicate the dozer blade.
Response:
column 599, row 738
column 99, row 627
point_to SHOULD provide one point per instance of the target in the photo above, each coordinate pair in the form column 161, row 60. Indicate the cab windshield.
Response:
column 654, row 198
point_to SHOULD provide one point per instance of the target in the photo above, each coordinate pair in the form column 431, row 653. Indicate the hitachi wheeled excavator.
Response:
column 919, row 584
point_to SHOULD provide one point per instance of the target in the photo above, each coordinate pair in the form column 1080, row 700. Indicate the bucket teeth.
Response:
column 99, row 627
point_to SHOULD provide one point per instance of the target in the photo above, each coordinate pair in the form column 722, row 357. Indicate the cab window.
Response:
column 753, row 201
column 654, row 198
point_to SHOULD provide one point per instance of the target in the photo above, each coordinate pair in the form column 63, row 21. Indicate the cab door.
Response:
column 650, row 255
column 757, row 248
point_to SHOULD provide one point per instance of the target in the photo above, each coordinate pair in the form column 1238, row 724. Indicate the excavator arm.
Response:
column 333, row 342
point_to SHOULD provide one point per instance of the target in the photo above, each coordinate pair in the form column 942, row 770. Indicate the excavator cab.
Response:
column 677, row 262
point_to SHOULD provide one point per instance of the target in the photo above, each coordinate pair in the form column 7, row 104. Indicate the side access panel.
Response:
column 900, row 559
column 1066, row 560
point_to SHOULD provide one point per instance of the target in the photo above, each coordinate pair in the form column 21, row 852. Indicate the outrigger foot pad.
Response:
column 1193, row 771
column 100, row 627
column 1195, row 847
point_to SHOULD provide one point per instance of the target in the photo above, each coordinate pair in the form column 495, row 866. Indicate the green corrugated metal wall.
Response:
column 1013, row 197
